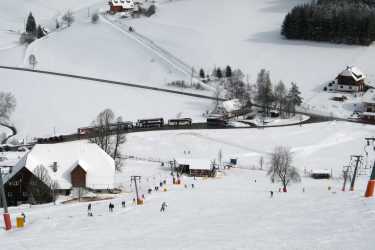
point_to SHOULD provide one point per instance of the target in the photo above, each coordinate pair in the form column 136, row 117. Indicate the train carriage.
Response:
column 180, row 122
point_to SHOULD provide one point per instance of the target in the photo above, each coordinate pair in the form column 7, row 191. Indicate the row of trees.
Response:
column 276, row 97
column 337, row 21
column 217, row 73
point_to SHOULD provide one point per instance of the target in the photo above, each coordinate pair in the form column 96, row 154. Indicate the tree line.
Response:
column 336, row 21
column 277, row 97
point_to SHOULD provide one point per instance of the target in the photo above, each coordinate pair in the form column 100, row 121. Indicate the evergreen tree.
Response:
column 294, row 98
column 228, row 72
column 219, row 74
column 31, row 24
column 201, row 73
column 40, row 33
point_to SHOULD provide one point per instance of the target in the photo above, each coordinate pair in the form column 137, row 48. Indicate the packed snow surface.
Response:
column 230, row 212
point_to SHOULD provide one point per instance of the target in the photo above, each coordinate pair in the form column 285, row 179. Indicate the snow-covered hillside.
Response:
column 246, row 34
column 48, row 103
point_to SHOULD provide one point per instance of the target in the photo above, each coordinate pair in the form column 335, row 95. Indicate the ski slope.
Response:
column 327, row 145
column 231, row 212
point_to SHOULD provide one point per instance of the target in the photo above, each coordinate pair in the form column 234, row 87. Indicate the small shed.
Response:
column 320, row 174
column 197, row 167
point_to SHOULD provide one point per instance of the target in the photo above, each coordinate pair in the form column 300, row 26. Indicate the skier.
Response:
column 111, row 206
column 131, row 29
column 271, row 193
column 192, row 185
column 23, row 216
column 123, row 204
column 163, row 206
column 185, row 186
column 89, row 213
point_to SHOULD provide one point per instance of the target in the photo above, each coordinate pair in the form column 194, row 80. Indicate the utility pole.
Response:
column 7, row 221
column 346, row 176
column 136, row 179
column 358, row 160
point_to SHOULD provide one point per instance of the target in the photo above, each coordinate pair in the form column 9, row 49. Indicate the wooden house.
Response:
column 69, row 165
column 196, row 167
column 351, row 80
column 120, row 5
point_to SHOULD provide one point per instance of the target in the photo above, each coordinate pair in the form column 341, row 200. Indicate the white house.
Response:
column 121, row 5
column 71, row 164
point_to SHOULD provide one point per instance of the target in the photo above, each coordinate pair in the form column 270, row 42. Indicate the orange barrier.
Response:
column 7, row 221
column 370, row 188
column 20, row 222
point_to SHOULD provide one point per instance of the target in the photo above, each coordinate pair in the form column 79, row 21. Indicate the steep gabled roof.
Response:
column 353, row 72
column 99, row 166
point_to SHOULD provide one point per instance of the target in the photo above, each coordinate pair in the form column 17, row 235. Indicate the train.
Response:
column 216, row 121
column 119, row 126
column 213, row 121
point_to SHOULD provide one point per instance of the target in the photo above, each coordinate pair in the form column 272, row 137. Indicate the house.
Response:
column 120, row 5
column 368, row 102
column 196, row 167
column 350, row 80
column 69, row 165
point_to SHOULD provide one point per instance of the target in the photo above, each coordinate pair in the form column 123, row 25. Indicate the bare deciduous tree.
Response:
column 42, row 186
column 68, row 18
column 32, row 61
column 281, row 168
column 7, row 106
column 108, row 135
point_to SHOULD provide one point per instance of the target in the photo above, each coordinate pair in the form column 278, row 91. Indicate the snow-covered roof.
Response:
column 321, row 171
column 232, row 105
column 196, row 164
column 354, row 72
column 99, row 166
column 369, row 96
column 126, row 4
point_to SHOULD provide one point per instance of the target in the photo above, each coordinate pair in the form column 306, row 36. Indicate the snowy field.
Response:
column 47, row 103
column 232, row 212
column 325, row 145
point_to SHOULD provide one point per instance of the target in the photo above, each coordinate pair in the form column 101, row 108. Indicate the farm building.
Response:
column 320, row 174
column 351, row 80
column 196, row 167
column 120, row 5
column 368, row 101
column 68, row 165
